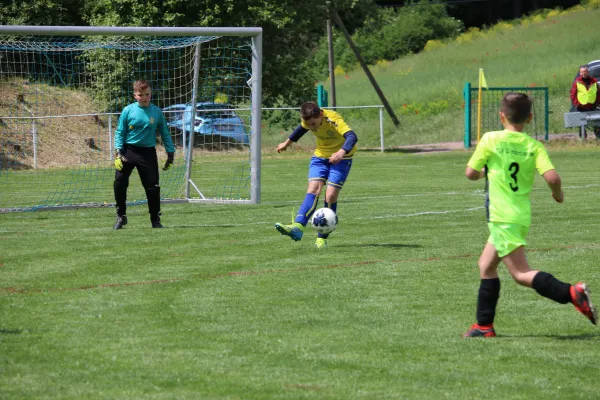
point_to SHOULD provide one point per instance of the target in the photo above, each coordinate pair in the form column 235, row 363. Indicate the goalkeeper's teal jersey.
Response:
column 138, row 126
column 511, row 159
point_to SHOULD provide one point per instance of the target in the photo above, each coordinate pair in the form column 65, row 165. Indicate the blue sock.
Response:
column 307, row 208
column 333, row 206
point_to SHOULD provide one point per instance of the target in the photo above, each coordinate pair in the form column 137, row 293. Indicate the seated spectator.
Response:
column 584, row 93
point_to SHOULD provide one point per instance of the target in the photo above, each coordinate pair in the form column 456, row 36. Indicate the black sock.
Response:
column 548, row 286
column 489, row 292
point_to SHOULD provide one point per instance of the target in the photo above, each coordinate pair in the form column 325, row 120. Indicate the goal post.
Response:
column 62, row 90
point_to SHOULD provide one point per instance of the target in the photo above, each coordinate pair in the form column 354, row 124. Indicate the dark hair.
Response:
column 309, row 110
column 516, row 107
column 584, row 66
column 140, row 85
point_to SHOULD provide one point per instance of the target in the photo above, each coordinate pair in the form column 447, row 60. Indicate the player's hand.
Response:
column 337, row 156
column 560, row 198
column 119, row 160
column 169, row 162
column 281, row 147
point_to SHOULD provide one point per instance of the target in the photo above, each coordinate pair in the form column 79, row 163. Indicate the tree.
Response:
column 291, row 31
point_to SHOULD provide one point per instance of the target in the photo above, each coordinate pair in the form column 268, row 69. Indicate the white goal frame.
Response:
column 255, row 84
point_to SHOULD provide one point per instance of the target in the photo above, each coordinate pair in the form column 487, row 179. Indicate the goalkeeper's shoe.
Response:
column 321, row 243
column 295, row 230
column 480, row 331
column 580, row 297
column 121, row 221
column 156, row 222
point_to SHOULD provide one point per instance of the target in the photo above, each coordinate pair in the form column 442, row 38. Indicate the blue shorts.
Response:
column 320, row 169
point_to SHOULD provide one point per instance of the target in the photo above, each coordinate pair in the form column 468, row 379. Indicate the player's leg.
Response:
column 148, row 170
column 543, row 283
column 488, row 295
column 338, row 174
column 120, row 186
column 317, row 175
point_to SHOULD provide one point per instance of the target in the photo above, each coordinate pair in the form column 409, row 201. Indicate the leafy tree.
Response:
column 291, row 31
column 41, row 12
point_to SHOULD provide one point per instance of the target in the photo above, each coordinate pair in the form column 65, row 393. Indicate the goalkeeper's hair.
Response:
column 309, row 110
column 140, row 85
column 516, row 107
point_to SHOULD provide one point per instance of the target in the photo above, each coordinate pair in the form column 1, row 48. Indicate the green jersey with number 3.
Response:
column 511, row 159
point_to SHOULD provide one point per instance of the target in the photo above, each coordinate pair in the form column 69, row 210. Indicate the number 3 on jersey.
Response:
column 513, row 168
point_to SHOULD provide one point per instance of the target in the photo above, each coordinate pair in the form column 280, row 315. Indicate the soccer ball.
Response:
column 324, row 220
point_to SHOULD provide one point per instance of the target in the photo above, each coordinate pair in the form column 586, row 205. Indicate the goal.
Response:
column 62, row 90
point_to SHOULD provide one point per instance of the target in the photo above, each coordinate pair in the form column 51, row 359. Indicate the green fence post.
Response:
column 322, row 100
column 467, row 97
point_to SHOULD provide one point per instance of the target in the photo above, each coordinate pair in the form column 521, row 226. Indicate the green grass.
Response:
column 218, row 305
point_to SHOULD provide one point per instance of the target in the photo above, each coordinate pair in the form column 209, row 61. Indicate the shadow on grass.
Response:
column 11, row 331
column 390, row 245
column 583, row 336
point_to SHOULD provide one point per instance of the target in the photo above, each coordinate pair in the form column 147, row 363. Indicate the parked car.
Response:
column 211, row 119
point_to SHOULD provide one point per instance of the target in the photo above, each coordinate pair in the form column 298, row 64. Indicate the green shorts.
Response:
column 506, row 237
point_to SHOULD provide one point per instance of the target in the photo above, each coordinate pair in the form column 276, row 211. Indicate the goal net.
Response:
column 62, row 90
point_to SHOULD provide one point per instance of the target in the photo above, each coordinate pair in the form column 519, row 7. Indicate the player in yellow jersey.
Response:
column 330, row 164
column 508, row 160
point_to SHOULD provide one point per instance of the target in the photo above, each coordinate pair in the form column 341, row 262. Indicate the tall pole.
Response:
column 364, row 66
column 331, row 63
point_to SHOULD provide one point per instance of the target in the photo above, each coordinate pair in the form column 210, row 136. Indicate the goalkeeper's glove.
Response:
column 169, row 162
column 119, row 160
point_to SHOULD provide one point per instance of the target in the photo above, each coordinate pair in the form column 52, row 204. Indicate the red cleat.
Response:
column 480, row 331
column 580, row 297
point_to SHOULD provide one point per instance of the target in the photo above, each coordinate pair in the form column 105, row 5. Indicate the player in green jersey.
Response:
column 508, row 160
column 135, row 142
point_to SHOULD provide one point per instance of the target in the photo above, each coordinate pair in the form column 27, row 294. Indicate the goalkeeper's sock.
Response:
column 308, row 206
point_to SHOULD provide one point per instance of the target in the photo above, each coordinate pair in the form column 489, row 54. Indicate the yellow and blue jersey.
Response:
column 511, row 159
column 330, row 135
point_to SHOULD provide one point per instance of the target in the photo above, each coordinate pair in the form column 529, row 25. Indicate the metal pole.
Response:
column 381, row 128
column 110, row 138
column 190, row 148
column 255, row 139
column 364, row 66
column 331, row 63
column 34, row 133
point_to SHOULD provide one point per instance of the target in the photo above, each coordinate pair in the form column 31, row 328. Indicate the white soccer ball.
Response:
column 324, row 220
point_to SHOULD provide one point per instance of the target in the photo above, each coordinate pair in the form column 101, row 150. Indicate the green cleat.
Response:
column 295, row 230
column 321, row 243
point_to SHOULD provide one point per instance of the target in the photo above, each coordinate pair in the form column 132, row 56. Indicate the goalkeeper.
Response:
column 135, row 142
column 330, row 164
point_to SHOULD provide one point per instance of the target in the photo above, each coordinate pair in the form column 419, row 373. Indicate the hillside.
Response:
column 426, row 89
column 75, row 140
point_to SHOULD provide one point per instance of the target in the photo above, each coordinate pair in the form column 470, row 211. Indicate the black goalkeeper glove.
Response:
column 119, row 160
column 169, row 162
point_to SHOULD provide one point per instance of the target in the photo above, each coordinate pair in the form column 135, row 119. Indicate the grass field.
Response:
column 220, row 306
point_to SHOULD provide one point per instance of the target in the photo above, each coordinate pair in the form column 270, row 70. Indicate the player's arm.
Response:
column 293, row 138
column 167, row 140
column 574, row 94
column 165, row 134
column 553, row 180
column 473, row 174
column 121, row 131
column 351, row 140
